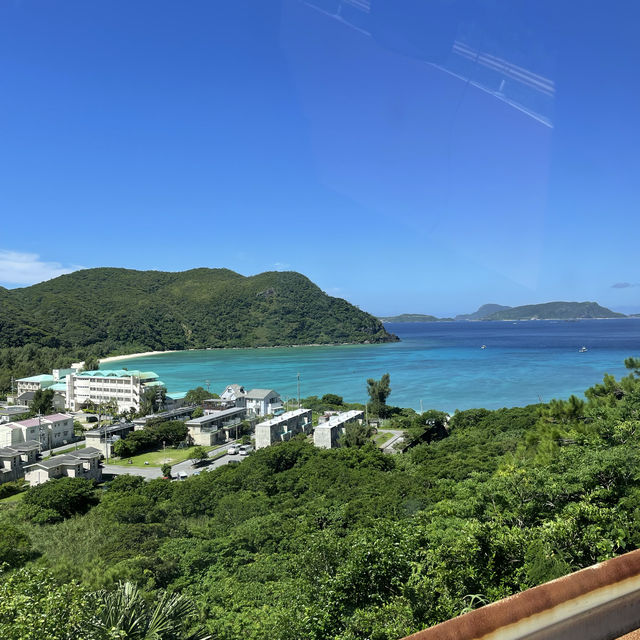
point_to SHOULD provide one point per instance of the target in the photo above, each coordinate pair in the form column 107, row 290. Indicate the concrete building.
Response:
column 33, row 383
column 283, row 427
column 214, row 427
column 326, row 434
column 50, row 431
column 182, row 413
column 7, row 414
column 262, row 402
column 14, row 459
column 103, row 438
column 100, row 386
column 83, row 463
column 56, row 381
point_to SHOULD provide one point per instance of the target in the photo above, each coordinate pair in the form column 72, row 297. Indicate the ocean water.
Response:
column 437, row 365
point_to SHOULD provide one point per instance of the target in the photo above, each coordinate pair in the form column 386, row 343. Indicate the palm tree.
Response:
column 125, row 610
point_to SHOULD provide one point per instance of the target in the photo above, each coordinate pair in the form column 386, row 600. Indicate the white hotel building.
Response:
column 126, row 387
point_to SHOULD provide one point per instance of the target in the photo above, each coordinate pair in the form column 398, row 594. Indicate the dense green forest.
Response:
column 297, row 542
column 99, row 312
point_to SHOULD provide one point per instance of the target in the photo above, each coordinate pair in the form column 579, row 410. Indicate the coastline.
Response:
column 137, row 355
column 274, row 346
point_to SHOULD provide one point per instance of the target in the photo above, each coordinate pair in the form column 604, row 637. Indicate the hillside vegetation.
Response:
column 301, row 543
column 555, row 311
column 96, row 312
column 483, row 312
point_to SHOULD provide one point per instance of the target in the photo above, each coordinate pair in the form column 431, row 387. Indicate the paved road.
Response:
column 397, row 435
column 182, row 467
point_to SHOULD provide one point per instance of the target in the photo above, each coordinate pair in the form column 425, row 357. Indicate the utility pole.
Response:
column 298, row 390
column 421, row 409
column 40, row 431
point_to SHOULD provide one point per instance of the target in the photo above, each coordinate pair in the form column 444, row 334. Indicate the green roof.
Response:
column 45, row 377
column 155, row 383
column 118, row 373
column 176, row 395
column 59, row 386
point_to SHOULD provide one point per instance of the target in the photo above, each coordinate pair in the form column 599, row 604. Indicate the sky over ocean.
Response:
column 422, row 157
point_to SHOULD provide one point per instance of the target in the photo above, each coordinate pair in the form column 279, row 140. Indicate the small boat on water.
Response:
column 582, row 349
column 484, row 346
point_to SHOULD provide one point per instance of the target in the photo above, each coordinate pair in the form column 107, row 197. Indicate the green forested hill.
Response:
column 555, row 311
column 350, row 544
column 100, row 311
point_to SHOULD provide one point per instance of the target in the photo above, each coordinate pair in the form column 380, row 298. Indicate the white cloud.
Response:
column 27, row 268
column 281, row 266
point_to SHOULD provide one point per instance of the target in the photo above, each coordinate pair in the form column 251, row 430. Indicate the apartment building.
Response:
column 283, row 427
column 327, row 434
column 123, row 386
column 50, row 431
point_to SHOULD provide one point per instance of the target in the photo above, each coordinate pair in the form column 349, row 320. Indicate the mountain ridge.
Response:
column 198, row 308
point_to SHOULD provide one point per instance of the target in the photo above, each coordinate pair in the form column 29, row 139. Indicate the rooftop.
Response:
column 259, row 394
column 176, row 395
column 22, row 447
column 45, row 377
column 118, row 373
column 155, row 383
column 29, row 445
column 54, row 417
column 284, row 417
column 214, row 415
column 111, row 428
column 341, row 418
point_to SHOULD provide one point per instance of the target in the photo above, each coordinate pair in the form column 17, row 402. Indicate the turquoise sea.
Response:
column 440, row 364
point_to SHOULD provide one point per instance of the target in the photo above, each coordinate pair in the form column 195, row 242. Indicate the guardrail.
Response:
column 601, row 602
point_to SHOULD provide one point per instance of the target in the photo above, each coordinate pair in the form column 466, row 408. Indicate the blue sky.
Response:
column 422, row 159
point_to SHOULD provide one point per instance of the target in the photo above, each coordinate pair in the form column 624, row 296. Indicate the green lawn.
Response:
column 170, row 455
column 14, row 498
column 381, row 438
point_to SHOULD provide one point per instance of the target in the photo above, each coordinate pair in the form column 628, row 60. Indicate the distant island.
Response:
column 483, row 312
column 413, row 317
column 544, row 311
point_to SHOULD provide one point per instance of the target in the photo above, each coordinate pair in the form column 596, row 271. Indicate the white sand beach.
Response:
column 134, row 355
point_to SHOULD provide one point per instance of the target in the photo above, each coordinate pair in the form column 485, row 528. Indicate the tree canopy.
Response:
column 348, row 543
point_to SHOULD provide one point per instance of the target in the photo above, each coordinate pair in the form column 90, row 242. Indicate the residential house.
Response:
column 327, row 434
column 234, row 393
column 83, row 463
column 14, row 459
column 262, row 402
column 283, row 427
